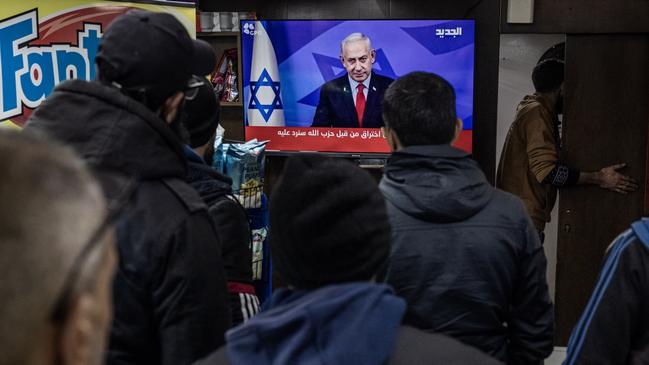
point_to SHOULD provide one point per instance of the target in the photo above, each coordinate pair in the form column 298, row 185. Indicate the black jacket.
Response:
column 169, row 291
column 336, row 106
column 466, row 256
column 614, row 328
column 228, row 215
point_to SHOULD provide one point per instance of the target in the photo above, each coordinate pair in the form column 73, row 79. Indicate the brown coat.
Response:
column 530, row 152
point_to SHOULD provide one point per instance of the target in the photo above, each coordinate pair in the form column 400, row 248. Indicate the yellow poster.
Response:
column 45, row 42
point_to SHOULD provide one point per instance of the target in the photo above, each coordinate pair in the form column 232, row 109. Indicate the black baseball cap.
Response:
column 146, row 51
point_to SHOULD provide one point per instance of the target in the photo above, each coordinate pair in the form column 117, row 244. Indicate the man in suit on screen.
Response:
column 353, row 100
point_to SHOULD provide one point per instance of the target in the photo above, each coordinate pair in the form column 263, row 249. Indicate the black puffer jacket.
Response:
column 169, row 292
column 231, row 222
column 466, row 256
column 230, row 217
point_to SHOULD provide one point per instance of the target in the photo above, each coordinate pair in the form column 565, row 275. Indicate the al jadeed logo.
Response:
column 36, row 57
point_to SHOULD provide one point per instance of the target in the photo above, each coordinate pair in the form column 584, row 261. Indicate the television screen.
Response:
column 303, row 93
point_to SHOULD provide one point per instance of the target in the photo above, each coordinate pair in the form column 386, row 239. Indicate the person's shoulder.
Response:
column 382, row 79
column 338, row 82
column 509, row 208
column 414, row 346
column 531, row 109
column 634, row 242
column 185, row 194
column 161, row 206
column 226, row 205
column 508, row 200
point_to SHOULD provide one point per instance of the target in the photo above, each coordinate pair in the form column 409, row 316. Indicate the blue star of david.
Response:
column 266, row 110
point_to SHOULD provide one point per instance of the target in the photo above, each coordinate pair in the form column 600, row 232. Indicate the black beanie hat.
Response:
column 328, row 223
column 201, row 113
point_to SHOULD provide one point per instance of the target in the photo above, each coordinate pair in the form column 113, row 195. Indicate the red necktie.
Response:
column 360, row 104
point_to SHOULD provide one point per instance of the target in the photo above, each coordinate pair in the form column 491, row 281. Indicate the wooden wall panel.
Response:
column 607, row 89
column 583, row 16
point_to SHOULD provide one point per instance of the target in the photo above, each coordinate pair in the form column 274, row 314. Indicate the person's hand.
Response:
column 610, row 179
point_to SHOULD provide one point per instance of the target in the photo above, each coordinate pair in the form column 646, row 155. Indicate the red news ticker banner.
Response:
column 357, row 140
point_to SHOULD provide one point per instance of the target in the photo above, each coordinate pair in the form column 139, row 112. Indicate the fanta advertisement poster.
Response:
column 301, row 78
column 43, row 43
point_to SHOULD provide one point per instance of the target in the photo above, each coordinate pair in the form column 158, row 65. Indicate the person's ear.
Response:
column 171, row 107
column 391, row 138
column 373, row 55
column 79, row 331
column 459, row 126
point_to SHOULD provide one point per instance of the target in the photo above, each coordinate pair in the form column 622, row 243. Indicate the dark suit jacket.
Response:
column 336, row 107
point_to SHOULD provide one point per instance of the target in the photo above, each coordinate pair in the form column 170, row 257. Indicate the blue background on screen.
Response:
column 308, row 52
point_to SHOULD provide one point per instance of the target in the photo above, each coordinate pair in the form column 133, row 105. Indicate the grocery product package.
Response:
column 224, row 78
column 244, row 163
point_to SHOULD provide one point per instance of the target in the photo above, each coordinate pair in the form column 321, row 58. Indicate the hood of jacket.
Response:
column 437, row 183
column 208, row 182
column 352, row 323
column 110, row 130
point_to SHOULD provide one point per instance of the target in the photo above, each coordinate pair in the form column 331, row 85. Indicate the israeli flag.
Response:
column 265, row 106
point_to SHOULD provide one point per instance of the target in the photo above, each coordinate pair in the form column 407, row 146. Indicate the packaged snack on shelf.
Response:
column 218, row 161
column 244, row 163
column 218, row 76
column 231, row 91
column 224, row 78
column 258, row 238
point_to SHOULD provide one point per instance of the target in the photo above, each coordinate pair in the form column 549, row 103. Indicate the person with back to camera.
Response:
column 530, row 163
column 331, row 237
column 465, row 256
column 353, row 100
column 57, row 256
column 170, row 295
column 614, row 328
column 200, row 119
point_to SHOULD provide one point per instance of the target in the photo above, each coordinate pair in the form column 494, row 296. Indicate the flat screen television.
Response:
column 298, row 95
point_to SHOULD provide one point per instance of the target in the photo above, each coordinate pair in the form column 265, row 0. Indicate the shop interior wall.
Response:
column 583, row 16
column 485, row 12
column 518, row 56
column 607, row 86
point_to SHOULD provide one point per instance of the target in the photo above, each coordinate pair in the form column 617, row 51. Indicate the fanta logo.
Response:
column 29, row 73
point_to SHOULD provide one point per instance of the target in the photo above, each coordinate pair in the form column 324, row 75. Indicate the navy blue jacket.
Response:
column 336, row 106
column 465, row 256
column 614, row 328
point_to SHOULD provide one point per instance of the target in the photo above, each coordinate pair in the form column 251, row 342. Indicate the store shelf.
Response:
column 217, row 34
column 231, row 104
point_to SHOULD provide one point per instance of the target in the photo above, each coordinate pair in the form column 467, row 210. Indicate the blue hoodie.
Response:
column 352, row 323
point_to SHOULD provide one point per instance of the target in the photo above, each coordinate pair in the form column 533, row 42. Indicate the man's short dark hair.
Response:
column 420, row 108
column 548, row 75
